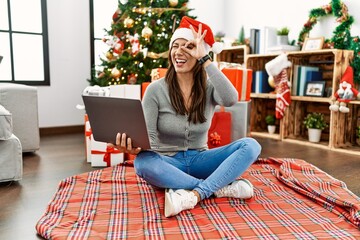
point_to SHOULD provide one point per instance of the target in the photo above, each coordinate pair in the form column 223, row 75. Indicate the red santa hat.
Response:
column 348, row 76
column 184, row 31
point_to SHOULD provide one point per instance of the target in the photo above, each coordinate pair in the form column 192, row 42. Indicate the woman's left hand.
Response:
column 196, row 47
column 124, row 144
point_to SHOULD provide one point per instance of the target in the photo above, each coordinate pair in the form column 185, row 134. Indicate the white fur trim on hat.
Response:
column 217, row 47
column 187, row 34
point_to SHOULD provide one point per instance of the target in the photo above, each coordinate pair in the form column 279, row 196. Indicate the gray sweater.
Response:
column 170, row 132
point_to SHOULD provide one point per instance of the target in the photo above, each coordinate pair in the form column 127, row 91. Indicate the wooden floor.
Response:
column 22, row 203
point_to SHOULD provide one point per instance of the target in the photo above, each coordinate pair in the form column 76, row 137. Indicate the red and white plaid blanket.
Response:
column 293, row 200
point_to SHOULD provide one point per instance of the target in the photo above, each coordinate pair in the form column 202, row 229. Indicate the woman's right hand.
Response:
column 124, row 144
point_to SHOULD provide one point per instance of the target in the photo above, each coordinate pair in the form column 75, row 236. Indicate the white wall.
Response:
column 230, row 15
column 280, row 13
column 212, row 14
column 70, row 45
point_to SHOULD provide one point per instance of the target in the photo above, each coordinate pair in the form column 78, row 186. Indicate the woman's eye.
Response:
column 190, row 46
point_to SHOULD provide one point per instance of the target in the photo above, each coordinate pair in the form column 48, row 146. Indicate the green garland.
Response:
column 342, row 38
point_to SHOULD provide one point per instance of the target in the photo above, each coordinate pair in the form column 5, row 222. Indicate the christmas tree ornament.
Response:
column 101, row 75
column 278, row 69
column 118, row 47
column 110, row 41
column 135, row 44
column 128, row 22
column 144, row 52
column 158, row 55
column 132, row 78
column 173, row 3
column 184, row 31
column 115, row 73
column 146, row 33
column 271, row 81
column 109, row 56
column 129, row 39
column 116, row 15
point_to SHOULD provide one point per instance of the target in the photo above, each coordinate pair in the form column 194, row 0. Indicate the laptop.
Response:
column 111, row 115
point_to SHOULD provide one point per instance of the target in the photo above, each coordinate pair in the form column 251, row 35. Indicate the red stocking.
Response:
column 282, row 93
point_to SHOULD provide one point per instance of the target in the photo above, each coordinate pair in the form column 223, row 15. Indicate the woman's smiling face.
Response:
column 182, row 61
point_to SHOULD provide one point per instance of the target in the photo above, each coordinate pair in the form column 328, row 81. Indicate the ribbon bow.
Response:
column 107, row 154
column 215, row 139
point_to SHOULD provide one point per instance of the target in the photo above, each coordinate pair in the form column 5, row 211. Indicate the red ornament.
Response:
column 116, row 14
column 102, row 74
column 118, row 47
column 132, row 78
column 307, row 24
column 327, row 8
column 135, row 44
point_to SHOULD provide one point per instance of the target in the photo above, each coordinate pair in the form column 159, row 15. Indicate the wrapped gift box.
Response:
column 103, row 156
column 241, row 78
column 240, row 119
column 144, row 85
column 88, row 134
column 220, row 129
column 131, row 91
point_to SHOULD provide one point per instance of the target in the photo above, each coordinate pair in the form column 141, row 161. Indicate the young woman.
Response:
column 178, row 111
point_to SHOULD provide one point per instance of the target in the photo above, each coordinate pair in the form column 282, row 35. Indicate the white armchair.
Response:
column 21, row 101
column 11, row 164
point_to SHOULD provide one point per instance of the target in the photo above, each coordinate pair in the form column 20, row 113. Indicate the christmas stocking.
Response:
column 277, row 69
column 282, row 93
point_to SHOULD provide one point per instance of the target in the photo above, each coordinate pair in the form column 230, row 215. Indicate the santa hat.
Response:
column 184, row 31
column 348, row 76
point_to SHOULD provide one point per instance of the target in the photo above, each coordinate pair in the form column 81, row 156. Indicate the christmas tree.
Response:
column 138, row 40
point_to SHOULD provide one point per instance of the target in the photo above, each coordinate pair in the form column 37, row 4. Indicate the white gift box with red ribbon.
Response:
column 104, row 156
column 88, row 135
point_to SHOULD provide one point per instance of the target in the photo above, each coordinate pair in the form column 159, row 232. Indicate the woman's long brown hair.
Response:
column 198, row 93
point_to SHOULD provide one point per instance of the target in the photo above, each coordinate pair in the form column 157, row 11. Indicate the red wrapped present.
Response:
column 241, row 78
column 144, row 85
column 104, row 156
column 219, row 133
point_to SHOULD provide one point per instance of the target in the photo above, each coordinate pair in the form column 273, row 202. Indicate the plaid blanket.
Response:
column 293, row 200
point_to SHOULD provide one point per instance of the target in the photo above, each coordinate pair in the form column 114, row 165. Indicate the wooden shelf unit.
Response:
column 340, row 135
column 235, row 54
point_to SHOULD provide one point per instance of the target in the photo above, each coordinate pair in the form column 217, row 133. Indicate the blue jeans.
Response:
column 203, row 171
